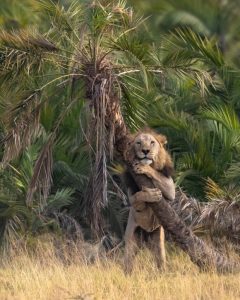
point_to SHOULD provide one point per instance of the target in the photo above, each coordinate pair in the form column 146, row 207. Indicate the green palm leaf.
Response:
column 65, row 19
column 224, row 114
column 192, row 44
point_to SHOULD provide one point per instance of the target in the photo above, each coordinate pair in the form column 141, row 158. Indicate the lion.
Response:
column 146, row 154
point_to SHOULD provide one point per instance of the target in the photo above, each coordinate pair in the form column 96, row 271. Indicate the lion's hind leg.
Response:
column 156, row 245
column 130, row 244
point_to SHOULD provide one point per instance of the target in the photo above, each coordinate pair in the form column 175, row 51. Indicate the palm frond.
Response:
column 110, row 18
column 224, row 114
column 221, row 218
column 42, row 173
column 223, row 122
column 133, row 104
column 22, row 52
column 169, row 117
column 14, row 215
column 185, row 42
column 64, row 175
column 22, row 171
column 183, row 18
column 65, row 19
column 232, row 174
column 182, row 66
column 22, row 125
column 213, row 190
column 136, row 53
column 61, row 198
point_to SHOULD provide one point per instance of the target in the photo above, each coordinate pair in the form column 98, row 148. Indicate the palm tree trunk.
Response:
column 200, row 253
column 204, row 256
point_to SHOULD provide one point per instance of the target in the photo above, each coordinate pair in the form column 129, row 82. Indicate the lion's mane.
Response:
column 163, row 162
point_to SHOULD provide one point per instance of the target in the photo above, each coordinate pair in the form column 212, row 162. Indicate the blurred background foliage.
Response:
column 194, row 100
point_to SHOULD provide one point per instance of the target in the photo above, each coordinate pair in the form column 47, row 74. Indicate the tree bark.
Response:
column 200, row 253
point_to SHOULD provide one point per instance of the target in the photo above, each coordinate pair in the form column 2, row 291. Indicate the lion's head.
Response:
column 148, row 147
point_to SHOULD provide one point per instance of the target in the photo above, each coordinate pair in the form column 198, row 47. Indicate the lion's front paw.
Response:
column 138, row 168
column 152, row 195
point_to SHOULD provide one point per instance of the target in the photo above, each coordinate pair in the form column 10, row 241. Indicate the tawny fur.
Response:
column 146, row 154
column 162, row 162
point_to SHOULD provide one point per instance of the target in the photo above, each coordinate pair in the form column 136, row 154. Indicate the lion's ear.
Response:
column 161, row 139
column 165, row 141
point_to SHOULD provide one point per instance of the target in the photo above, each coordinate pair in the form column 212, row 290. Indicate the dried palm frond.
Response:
column 25, row 41
column 213, row 190
column 222, row 218
column 188, row 208
column 22, row 124
column 69, row 226
column 218, row 218
column 22, row 52
column 104, row 103
column 229, row 192
column 42, row 173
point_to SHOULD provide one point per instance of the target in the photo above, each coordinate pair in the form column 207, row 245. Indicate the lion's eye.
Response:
column 152, row 142
column 138, row 143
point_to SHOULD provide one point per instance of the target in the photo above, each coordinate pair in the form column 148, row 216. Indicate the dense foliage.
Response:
column 179, row 73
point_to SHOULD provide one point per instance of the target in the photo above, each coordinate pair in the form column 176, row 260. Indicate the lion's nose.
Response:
column 145, row 151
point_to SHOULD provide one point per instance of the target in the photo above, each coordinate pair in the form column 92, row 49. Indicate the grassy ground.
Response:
column 47, row 274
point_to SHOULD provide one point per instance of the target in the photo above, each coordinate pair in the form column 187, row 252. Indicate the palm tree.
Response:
column 86, row 55
column 98, row 58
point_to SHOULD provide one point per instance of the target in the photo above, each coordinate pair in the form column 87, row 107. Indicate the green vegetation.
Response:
column 178, row 72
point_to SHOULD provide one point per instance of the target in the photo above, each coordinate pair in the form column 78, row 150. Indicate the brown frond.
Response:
column 26, row 41
column 102, row 91
column 222, row 218
column 43, row 43
column 22, row 124
column 189, row 209
column 42, row 173
column 213, row 190
column 22, row 51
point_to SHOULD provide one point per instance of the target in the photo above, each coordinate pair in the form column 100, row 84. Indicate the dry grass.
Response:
column 47, row 274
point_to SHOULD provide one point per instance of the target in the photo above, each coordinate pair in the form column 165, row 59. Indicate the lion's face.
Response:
column 146, row 148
